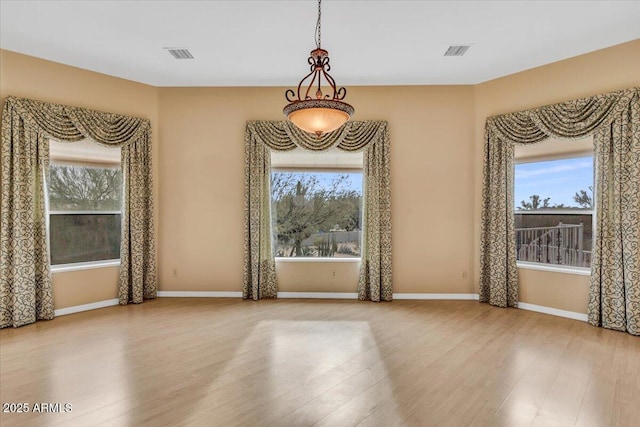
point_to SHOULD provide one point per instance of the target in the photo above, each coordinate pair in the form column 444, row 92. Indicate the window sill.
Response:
column 60, row 268
column 581, row 271
column 315, row 259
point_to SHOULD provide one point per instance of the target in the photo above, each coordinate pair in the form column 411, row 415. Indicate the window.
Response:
column 316, row 213
column 85, row 199
column 554, row 209
column 316, row 202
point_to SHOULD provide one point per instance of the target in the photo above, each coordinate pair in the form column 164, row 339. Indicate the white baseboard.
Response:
column 323, row 295
column 85, row 307
column 437, row 296
column 218, row 294
column 199, row 294
column 314, row 295
column 346, row 295
column 553, row 311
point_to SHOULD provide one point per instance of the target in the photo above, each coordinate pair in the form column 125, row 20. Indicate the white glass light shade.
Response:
column 318, row 115
column 318, row 120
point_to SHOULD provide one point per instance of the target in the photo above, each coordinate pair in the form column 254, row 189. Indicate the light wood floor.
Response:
column 226, row 362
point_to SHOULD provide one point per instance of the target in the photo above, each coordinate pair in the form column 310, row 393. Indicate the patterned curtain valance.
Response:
column 572, row 119
column 283, row 135
column 67, row 123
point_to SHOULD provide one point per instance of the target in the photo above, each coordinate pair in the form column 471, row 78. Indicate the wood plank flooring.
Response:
column 227, row 362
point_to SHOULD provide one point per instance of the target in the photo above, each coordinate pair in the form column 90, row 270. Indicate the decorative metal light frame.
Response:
column 324, row 112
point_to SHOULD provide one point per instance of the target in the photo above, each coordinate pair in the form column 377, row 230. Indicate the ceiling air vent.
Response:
column 456, row 50
column 179, row 53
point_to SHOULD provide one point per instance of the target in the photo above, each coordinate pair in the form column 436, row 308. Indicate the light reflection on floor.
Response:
column 103, row 382
column 546, row 391
column 312, row 370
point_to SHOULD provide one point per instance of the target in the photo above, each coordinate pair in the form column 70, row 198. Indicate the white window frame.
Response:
column 83, row 265
column 566, row 269
column 311, row 169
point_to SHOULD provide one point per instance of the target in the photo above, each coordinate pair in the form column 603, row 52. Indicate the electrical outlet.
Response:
column 464, row 274
column 333, row 273
column 174, row 272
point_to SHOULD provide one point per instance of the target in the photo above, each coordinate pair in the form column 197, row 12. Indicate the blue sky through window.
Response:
column 557, row 179
column 353, row 181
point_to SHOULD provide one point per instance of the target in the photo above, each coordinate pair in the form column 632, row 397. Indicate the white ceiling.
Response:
column 266, row 43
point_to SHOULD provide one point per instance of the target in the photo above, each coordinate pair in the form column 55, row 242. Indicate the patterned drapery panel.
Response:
column 498, row 272
column 374, row 282
column 614, row 121
column 614, row 298
column 138, row 273
column 370, row 136
column 27, row 125
column 26, row 294
column 259, row 275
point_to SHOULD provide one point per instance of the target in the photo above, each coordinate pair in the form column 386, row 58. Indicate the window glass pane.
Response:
column 84, row 237
column 554, row 207
column 84, row 188
column 84, row 213
column 316, row 214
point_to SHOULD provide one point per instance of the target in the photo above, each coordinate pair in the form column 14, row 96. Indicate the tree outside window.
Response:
column 84, row 213
column 316, row 214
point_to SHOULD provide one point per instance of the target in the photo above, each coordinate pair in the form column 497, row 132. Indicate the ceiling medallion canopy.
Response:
column 320, row 113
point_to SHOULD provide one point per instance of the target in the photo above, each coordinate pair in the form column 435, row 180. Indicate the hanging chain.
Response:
column 318, row 25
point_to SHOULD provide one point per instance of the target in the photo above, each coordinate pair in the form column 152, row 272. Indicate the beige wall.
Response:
column 602, row 71
column 436, row 166
column 202, row 174
column 556, row 290
column 29, row 77
column 309, row 276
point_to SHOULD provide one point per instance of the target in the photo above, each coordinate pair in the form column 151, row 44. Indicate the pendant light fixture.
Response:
column 321, row 112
